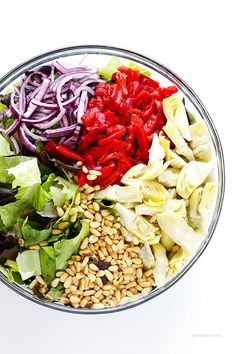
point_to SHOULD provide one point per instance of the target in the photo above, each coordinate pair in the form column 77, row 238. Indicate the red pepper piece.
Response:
column 115, row 128
column 168, row 91
column 147, row 81
column 149, row 111
column 62, row 150
column 109, row 180
column 141, row 136
column 110, row 117
column 110, row 138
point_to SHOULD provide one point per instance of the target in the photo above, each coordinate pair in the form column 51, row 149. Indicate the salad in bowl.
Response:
column 108, row 182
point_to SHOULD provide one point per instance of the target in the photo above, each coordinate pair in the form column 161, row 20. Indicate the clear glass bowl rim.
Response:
column 191, row 95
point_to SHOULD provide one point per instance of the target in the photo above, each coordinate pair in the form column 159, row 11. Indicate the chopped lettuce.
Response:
column 191, row 176
column 9, row 213
column 8, row 162
column 120, row 194
column 25, row 173
column 35, row 195
column 143, row 71
column 64, row 249
column 174, row 111
column 161, row 264
column 48, row 263
column 28, row 263
column 62, row 190
column 178, row 230
column 110, row 68
column 32, row 236
column 5, row 148
column 57, row 292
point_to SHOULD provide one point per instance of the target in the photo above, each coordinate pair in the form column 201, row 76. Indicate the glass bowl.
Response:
column 98, row 56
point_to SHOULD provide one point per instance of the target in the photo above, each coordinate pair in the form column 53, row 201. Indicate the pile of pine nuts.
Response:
column 108, row 270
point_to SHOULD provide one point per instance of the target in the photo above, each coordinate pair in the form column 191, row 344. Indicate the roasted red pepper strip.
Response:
column 110, row 138
column 109, row 180
column 59, row 149
column 141, row 136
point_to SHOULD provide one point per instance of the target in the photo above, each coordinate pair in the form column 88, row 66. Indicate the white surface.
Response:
column 196, row 40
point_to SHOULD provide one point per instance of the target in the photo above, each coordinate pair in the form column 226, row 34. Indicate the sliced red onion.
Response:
column 13, row 128
column 72, row 141
column 81, row 110
column 33, row 135
column 25, row 140
column 15, row 144
column 44, row 105
column 59, row 132
column 38, row 120
column 51, row 123
column 13, row 105
column 38, row 97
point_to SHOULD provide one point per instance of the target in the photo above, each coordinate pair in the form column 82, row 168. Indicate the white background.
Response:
column 196, row 40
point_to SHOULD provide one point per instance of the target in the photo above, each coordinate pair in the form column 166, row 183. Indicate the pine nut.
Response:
column 84, row 169
column 91, row 177
column 93, row 267
column 70, row 272
column 108, row 274
column 108, row 240
column 100, row 273
column 96, row 206
column 98, row 306
column 43, row 243
column 77, row 199
column 113, row 268
column 148, row 272
column 63, row 277
column 145, row 284
column 95, row 224
column 91, row 277
column 95, row 232
column 58, row 274
column 105, row 212
column 68, row 282
column 89, row 190
column 89, row 292
column 33, row 283
column 34, row 247
column 74, row 299
column 99, row 282
column 73, row 211
column 60, row 212
column 139, row 273
column 84, row 302
column 73, row 218
column 55, row 282
column 93, row 239
column 79, row 209
column 91, row 196
column 98, row 217
column 88, row 215
column 79, row 163
column 63, row 225
column 84, row 244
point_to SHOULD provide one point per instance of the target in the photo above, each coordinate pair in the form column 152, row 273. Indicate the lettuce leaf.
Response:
column 7, row 163
column 35, row 195
column 28, row 263
column 143, row 71
column 32, row 236
column 57, row 292
column 111, row 67
column 25, row 173
column 9, row 213
column 5, row 149
column 48, row 263
column 64, row 249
